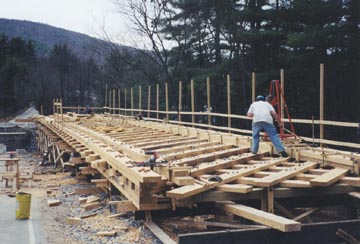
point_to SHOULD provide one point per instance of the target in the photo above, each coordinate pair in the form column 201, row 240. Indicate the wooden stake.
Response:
column 149, row 101
column 119, row 101
column 283, row 92
column 180, row 101
column 253, row 90
column 140, row 99
column 106, row 87
column 125, row 101
column 208, row 100
column 321, row 103
column 109, row 101
column 167, row 102
column 114, row 95
column 192, row 103
column 132, row 101
column 157, row 101
column 229, row 101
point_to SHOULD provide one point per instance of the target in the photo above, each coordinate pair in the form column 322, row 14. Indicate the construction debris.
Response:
column 53, row 202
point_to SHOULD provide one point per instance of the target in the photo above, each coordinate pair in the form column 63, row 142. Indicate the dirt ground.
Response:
column 53, row 226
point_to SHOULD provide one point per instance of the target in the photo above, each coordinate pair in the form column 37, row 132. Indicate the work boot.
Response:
column 284, row 154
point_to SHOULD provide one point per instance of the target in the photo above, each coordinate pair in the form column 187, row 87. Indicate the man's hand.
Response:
column 280, row 124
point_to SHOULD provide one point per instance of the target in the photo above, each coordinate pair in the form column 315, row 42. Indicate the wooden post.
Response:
column 149, row 101
column 208, row 101
column 55, row 106
column 253, row 90
column 270, row 199
column 229, row 101
column 119, row 96
column 17, row 175
column 180, row 101
column 157, row 101
column 61, row 111
column 114, row 106
column 321, row 103
column 54, row 111
column 167, row 102
column 132, row 101
column 106, row 87
column 192, row 103
column 125, row 104
column 140, row 99
column 283, row 93
column 109, row 101
column 41, row 109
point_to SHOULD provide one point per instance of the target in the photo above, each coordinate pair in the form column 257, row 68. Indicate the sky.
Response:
column 84, row 16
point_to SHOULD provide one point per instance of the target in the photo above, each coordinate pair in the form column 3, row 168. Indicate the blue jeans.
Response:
column 272, row 133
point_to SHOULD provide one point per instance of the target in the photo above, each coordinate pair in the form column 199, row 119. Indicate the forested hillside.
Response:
column 39, row 62
column 45, row 37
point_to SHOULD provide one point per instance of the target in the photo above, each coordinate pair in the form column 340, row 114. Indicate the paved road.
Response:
column 19, row 231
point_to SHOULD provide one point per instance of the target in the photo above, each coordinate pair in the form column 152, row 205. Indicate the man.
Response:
column 88, row 110
column 261, row 113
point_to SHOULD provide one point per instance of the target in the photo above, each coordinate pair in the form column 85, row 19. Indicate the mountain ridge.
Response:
column 45, row 37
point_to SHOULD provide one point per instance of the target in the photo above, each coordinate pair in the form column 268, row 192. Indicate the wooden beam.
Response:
column 159, row 233
column 274, row 179
column 268, row 219
column 238, row 188
column 190, row 190
column 306, row 214
column 328, row 178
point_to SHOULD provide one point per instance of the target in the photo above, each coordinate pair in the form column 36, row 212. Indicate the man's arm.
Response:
column 277, row 118
column 250, row 115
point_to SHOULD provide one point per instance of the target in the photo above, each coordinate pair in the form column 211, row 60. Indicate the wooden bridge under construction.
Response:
column 162, row 168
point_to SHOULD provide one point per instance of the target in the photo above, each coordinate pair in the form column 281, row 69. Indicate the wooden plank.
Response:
column 183, row 180
column 73, row 221
column 88, row 171
column 92, row 206
column 328, row 178
column 85, row 191
column 106, row 233
column 91, row 199
column 353, row 181
column 123, row 206
column 114, row 158
column 268, row 219
column 205, row 168
column 197, row 151
column 159, row 233
column 295, row 184
column 53, row 202
column 212, row 156
column 191, row 190
column 306, row 214
column 184, row 147
column 274, row 179
column 238, row 188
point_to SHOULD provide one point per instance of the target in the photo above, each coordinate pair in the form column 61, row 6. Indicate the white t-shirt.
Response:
column 261, row 111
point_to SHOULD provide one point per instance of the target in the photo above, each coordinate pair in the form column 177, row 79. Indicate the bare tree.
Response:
column 148, row 18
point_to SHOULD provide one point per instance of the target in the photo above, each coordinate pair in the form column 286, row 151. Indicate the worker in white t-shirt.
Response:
column 262, row 114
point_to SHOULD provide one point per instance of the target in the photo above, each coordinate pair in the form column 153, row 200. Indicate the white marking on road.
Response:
column 31, row 232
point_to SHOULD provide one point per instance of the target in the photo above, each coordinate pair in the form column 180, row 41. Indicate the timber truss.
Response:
column 198, row 166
